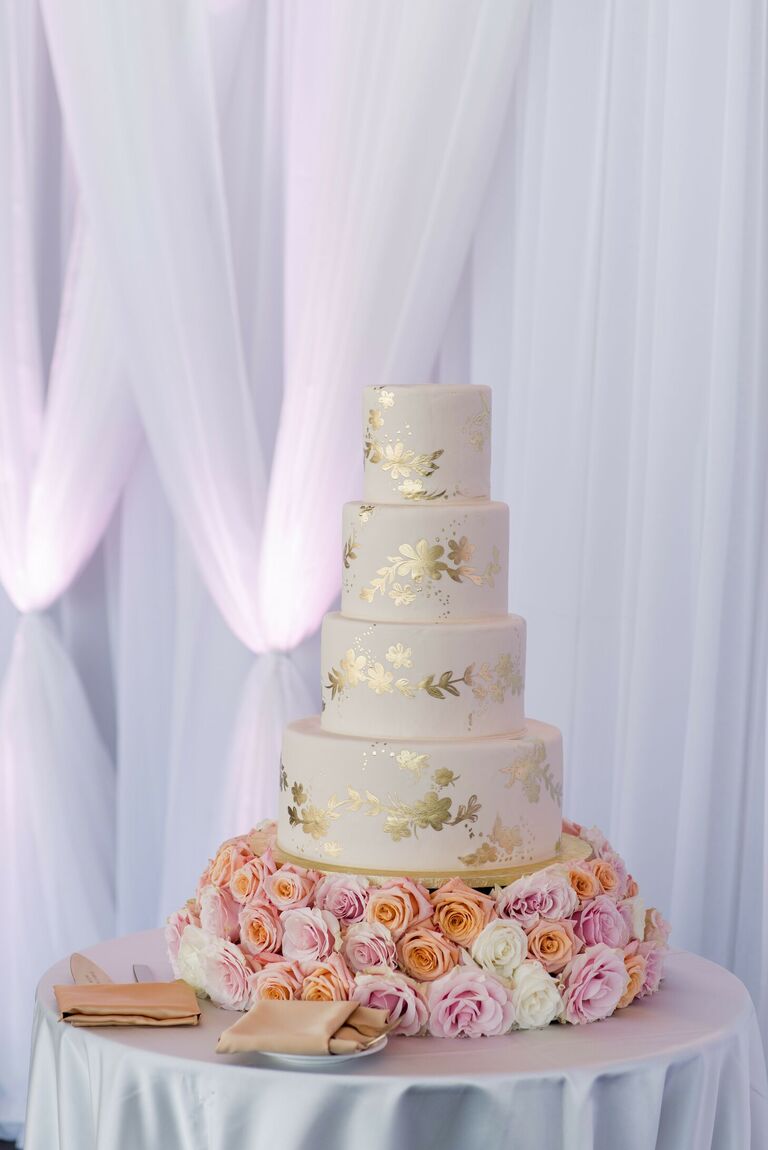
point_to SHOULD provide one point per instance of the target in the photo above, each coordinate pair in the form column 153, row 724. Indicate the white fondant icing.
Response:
column 414, row 806
column 431, row 562
column 426, row 443
column 418, row 680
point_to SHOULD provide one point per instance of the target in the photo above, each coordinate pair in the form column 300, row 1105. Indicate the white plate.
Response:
column 325, row 1059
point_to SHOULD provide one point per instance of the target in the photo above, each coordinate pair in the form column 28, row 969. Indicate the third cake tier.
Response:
column 422, row 680
column 431, row 562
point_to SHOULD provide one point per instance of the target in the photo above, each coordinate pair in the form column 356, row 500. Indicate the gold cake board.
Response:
column 572, row 850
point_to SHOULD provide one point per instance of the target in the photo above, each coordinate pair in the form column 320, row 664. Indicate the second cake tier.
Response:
column 433, row 562
column 423, row 680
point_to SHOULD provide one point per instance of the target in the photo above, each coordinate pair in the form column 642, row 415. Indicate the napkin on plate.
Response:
column 128, row 1004
column 293, row 1027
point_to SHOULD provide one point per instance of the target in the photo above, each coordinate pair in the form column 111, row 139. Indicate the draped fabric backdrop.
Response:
column 216, row 224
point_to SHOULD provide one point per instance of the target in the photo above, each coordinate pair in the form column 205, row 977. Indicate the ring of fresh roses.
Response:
column 569, row 944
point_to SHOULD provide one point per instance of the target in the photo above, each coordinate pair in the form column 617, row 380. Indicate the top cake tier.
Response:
column 427, row 443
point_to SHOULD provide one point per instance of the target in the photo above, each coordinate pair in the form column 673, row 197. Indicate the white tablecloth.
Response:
column 681, row 1071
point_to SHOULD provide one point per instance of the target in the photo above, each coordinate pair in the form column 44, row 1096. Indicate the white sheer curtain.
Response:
column 299, row 198
column 153, row 316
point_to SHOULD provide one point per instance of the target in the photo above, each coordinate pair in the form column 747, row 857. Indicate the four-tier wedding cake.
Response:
column 420, row 864
column 422, row 761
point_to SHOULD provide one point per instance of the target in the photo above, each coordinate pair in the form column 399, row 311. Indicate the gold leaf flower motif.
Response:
column 332, row 849
column 405, row 688
column 433, row 811
column 386, row 398
column 411, row 488
column 353, row 668
column 411, row 761
column 365, row 511
column 380, row 680
column 397, row 459
column 443, row 777
column 367, row 594
column 401, row 594
column 422, row 561
column 315, row 821
column 298, row 794
column 399, row 656
column 350, row 551
column 486, row 853
column 375, row 419
column 461, row 551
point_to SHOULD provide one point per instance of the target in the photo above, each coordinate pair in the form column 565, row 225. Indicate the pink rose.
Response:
column 545, row 894
column 290, row 887
column 345, row 895
column 309, row 935
column 214, row 967
column 467, row 1002
column 594, row 983
column 230, row 857
column 654, row 967
column 635, row 965
column 390, row 990
column 398, row 904
column 369, row 944
column 279, row 980
column 601, row 921
column 263, row 836
column 632, row 887
column 246, row 883
column 219, row 913
column 633, row 912
column 260, row 928
column 656, row 927
column 597, row 840
column 327, row 981
column 178, row 921
column 571, row 828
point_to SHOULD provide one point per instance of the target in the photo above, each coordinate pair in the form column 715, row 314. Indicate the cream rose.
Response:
column 500, row 948
column 214, row 967
column 461, row 912
column 425, row 954
column 535, row 997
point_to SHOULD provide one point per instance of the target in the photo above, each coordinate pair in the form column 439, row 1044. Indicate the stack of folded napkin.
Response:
column 129, row 1004
column 296, row 1027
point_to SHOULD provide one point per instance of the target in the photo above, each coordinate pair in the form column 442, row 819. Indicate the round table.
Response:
column 681, row 1070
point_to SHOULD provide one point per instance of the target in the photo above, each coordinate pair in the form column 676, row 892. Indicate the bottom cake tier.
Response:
column 477, row 808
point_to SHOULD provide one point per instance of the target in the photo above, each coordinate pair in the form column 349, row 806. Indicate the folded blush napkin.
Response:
column 128, row 1004
column 292, row 1027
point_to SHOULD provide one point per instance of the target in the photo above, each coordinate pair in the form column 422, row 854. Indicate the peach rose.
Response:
column 399, row 904
column 461, row 912
column 425, row 954
column 260, row 928
column 606, row 874
column 279, row 980
column 262, row 837
column 290, row 887
column 656, row 927
column 327, row 981
column 247, row 882
column 632, row 887
column 553, row 944
column 584, row 882
column 230, row 857
column 635, row 965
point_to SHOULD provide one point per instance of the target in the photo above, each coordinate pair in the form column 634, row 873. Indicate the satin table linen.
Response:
column 681, row 1071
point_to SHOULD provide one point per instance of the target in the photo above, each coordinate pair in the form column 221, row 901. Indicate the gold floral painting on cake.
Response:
column 532, row 771
column 424, row 562
column 403, row 819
